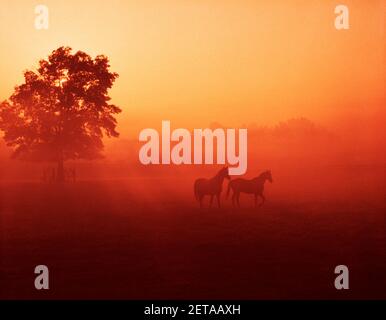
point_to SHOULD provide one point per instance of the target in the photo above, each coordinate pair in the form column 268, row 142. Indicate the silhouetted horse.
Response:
column 254, row 186
column 212, row 187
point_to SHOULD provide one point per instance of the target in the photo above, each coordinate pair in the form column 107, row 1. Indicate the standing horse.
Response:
column 254, row 186
column 212, row 187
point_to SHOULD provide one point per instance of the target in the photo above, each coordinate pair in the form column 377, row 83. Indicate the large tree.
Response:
column 62, row 110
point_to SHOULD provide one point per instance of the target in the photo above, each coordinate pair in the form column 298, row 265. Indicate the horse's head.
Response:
column 268, row 176
column 224, row 173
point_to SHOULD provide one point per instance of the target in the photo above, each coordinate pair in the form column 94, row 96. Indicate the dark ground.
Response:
column 100, row 240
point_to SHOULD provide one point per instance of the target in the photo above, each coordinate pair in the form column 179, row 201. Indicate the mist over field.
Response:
column 124, row 230
column 305, row 157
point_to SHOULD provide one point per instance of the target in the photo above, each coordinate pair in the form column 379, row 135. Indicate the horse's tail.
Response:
column 229, row 188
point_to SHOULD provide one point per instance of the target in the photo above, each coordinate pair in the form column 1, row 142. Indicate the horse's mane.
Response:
column 220, row 172
column 261, row 175
column 264, row 173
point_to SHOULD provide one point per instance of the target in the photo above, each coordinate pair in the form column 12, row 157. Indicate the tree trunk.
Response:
column 60, row 172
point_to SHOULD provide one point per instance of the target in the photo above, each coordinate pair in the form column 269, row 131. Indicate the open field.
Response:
column 137, row 239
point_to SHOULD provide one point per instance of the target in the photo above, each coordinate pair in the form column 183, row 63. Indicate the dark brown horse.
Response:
column 254, row 186
column 212, row 187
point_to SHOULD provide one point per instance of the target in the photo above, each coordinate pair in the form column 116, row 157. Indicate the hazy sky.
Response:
column 195, row 62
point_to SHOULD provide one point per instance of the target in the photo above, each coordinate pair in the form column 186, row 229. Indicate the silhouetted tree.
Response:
column 62, row 110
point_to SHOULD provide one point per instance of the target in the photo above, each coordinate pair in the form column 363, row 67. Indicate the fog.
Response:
column 306, row 160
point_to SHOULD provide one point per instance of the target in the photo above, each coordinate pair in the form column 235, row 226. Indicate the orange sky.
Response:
column 195, row 62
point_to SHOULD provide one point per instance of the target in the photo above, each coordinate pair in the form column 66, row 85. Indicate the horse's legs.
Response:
column 201, row 198
column 218, row 200
column 238, row 199
column 262, row 197
column 234, row 199
column 211, row 200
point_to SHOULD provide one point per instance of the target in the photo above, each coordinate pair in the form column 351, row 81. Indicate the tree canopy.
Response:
column 62, row 110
